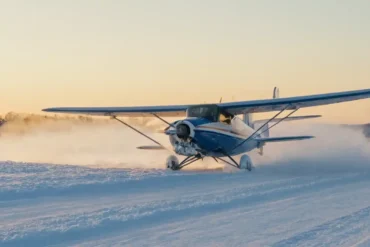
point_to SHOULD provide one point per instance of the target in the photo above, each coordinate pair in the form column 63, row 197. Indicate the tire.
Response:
column 245, row 163
column 172, row 162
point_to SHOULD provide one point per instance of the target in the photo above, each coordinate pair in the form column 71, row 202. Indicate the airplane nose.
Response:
column 183, row 131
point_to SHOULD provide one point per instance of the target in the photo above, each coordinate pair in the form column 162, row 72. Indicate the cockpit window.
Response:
column 209, row 112
column 225, row 118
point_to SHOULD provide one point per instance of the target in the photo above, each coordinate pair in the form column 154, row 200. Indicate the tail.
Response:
column 264, row 132
column 276, row 93
column 248, row 119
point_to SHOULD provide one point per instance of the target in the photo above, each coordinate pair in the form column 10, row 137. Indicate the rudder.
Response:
column 276, row 93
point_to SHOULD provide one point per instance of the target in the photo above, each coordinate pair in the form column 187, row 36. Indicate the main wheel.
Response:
column 172, row 162
column 246, row 162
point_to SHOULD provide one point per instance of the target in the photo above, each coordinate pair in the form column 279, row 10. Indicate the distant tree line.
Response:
column 27, row 118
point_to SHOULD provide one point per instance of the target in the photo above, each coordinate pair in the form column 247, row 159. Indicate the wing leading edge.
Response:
column 235, row 108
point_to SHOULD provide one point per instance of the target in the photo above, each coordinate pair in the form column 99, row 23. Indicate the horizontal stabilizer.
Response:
column 262, row 121
column 151, row 147
column 283, row 139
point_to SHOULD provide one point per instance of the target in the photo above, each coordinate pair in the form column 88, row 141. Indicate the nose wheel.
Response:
column 172, row 162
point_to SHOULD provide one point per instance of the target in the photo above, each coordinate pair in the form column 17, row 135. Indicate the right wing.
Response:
column 134, row 111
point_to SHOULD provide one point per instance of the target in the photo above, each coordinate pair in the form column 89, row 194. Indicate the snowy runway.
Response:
column 69, row 205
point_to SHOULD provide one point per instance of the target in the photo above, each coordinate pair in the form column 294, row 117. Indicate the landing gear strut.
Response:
column 173, row 163
column 245, row 162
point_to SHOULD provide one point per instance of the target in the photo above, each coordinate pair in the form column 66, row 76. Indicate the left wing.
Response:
column 293, row 103
column 283, row 139
column 234, row 108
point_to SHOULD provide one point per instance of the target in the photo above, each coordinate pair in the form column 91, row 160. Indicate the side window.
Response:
column 225, row 119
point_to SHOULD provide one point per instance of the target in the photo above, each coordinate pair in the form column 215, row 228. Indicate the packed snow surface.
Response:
column 93, row 188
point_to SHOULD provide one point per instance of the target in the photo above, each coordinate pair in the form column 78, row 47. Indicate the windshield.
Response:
column 209, row 112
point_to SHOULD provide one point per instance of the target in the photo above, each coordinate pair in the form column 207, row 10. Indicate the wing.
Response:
column 283, row 139
column 235, row 108
column 136, row 111
column 279, row 104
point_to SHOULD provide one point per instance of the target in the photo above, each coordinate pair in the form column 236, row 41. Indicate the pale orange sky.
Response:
column 117, row 53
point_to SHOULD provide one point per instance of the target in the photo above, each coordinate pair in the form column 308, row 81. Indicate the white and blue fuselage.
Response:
column 216, row 139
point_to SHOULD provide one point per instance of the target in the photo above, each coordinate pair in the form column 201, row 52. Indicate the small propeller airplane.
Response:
column 216, row 130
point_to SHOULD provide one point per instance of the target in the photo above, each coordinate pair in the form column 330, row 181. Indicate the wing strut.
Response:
column 280, row 121
column 164, row 121
column 251, row 136
column 137, row 131
column 234, row 163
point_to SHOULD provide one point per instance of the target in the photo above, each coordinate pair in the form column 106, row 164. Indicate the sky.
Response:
column 125, row 53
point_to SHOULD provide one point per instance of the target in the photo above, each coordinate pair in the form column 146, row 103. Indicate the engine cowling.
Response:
column 184, row 130
column 182, row 138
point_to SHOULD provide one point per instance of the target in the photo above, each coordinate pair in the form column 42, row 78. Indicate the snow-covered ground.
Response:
column 313, row 193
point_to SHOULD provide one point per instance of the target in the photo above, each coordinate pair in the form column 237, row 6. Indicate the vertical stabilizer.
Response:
column 265, row 131
column 276, row 93
column 248, row 117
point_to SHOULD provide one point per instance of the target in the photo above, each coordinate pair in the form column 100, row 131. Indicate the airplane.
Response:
column 221, row 130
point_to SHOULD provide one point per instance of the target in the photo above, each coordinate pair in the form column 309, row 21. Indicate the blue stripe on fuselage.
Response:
column 210, row 141
column 198, row 121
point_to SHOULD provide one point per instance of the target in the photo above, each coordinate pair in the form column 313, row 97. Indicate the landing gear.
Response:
column 245, row 162
column 173, row 163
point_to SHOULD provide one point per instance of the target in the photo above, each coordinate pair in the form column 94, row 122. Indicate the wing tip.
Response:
column 47, row 110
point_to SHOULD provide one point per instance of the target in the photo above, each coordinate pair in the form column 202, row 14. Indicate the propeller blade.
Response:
column 167, row 132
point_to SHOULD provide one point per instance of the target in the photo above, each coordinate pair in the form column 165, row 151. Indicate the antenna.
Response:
column 221, row 100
